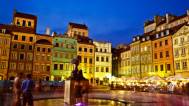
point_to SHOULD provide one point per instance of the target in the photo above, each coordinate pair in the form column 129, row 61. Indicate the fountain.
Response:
column 75, row 86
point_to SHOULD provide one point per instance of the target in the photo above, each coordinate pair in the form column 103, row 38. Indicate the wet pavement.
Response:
column 112, row 98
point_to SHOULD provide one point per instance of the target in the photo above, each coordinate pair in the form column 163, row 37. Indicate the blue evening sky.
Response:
column 115, row 21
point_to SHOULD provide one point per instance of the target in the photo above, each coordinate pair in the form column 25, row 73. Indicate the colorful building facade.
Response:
column 103, row 61
column 5, row 39
column 125, row 70
column 42, row 57
column 181, row 51
column 64, row 50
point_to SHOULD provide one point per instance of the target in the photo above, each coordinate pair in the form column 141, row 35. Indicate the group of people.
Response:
column 22, row 87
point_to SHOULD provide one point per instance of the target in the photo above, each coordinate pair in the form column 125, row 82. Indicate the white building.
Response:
column 103, row 61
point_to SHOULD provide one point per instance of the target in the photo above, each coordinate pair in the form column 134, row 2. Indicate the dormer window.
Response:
column 3, row 30
column 133, row 39
column 138, row 37
column 157, row 35
column 148, row 38
column 167, row 32
column 143, row 39
column 162, row 34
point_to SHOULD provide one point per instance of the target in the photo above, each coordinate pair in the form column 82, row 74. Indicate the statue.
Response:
column 76, row 74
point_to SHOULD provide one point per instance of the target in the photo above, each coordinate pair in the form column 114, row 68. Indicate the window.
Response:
column 91, row 50
column 48, row 58
column 29, row 23
column 21, row 56
column 184, row 65
column 97, row 58
column 61, row 66
column 18, row 23
column 96, row 49
column 161, row 55
column 80, row 49
column 15, row 37
column 85, row 49
column 176, row 41
column 38, row 49
column 23, row 38
column 107, row 69
column 167, row 53
column 102, row 59
column 43, row 49
column 161, row 67
column 166, row 42
column 48, row 68
column 100, row 50
column 97, row 69
column 55, row 66
column 30, row 47
column 102, row 69
column 22, row 46
column 49, row 50
column 107, row 59
column 168, row 67
column 85, row 60
column 155, row 45
column 182, row 40
column 177, row 66
column 183, row 51
column 24, row 23
column 90, row 60
column 29, row 56
column 160, row 43
column 105, row 50
column 56, row 44
column 155, row 55
column 31, row 39
column 15, row 46
column 55, row 54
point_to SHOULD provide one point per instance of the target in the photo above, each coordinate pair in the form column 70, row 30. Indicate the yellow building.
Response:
column 75, row 30
column 5, row 37
column 135, row 57
column 103, row 62
column 125, row 70
column 181, row 51
column 85, row 50
column 146, row 56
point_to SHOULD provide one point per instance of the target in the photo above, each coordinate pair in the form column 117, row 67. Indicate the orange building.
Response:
column 163, row 53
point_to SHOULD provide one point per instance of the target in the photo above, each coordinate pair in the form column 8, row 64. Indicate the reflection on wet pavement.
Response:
column 92, row 102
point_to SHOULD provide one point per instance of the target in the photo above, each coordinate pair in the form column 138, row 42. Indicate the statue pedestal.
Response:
column 73, row 91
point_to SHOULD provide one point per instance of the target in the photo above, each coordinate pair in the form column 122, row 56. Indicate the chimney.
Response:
column 167, row 18
column 48, row 31
column 187, row 12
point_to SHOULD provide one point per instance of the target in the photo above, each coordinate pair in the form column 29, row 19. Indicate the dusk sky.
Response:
column 115, row 21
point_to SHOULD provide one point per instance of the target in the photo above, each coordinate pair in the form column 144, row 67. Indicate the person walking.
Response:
column 27, row 88
column 17, row 89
